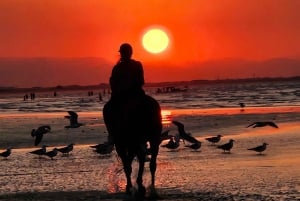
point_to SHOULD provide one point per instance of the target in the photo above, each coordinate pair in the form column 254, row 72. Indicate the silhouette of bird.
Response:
column 173, row 143
column 73, row 117
column 227, row 147
column 52, row 153
column 39, row 133
column 6, row 153
column 214, row 139
column 184, row 135
column 165, row 135
column 105, row 148
column 39, row 152
column 262, row 124
column 260, row 148
column 67, row 149
column 194, row 146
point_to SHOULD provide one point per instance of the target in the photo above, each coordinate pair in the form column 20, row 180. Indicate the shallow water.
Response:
column 215, row 95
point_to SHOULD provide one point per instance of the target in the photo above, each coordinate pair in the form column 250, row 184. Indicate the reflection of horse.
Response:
column 132, row 124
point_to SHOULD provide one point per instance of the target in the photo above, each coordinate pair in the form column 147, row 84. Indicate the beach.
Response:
column 182, row 174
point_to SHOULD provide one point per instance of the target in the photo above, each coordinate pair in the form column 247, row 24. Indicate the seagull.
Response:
column 173, row 143
column 214, row 139
column 165, row 135
column 52, row 153
column 227, row 146
column 260, row 148
column 66, row 150
column 184, row 135
column 105, row 148
column 73, row 117
column 262, row 124
column 6, row 153
column 39, row 133
column 194, row 146
column 39, row 152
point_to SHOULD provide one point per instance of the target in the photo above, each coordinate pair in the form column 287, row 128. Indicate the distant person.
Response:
column 126, row 84
column 100, row 97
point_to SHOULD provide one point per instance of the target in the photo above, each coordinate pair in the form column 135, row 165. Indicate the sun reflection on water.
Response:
column 166, row 117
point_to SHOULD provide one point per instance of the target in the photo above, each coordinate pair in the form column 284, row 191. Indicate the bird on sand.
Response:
column 52, row 153
column 39, row 133
column 104, row 148
column 165, row 135
column 226, row 147
column 173, row 143
column 183, row 134
column 39, row 152
column 73, row 117
column 194, row 146
column 262, row 124
column 214, row 139
column 67, row 149
column 6, row 153
column 260, row 148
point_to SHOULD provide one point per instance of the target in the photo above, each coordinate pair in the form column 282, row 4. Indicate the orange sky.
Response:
column 199, row 30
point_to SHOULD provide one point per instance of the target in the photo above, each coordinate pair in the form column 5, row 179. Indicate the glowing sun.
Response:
column 155, row 40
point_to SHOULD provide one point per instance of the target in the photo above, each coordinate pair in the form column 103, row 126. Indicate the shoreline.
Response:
column 16, row 128
column 175, row 111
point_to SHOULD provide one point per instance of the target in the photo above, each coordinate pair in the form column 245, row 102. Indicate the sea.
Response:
column 274, row 93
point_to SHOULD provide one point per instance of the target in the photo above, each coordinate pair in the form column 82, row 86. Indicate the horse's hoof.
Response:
column 141, row 192
column 129, row 190
column 153, row 195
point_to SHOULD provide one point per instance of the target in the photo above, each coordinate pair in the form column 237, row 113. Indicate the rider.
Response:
column 126, row 83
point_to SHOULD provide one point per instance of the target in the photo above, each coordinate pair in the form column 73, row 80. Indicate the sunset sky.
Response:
column 200, row 31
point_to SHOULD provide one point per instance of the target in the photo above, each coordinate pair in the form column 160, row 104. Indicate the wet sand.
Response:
column 183, row 174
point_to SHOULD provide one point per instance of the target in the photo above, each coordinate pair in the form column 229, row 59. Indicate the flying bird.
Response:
column 73, row 117
column 226, row 147
column 39, row 133
column 260, row 148
column 52, row 153
column 183, row 134
column 262, row 124
column 214, row 139
column 6, row 153
column 39, row 152
column 67, row 149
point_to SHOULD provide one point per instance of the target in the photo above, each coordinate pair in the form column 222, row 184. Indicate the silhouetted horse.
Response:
column 132, row 124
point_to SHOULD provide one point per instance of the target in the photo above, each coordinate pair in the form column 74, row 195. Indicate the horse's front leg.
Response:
column 127, row 161
column 141, row 155
column 154, row 153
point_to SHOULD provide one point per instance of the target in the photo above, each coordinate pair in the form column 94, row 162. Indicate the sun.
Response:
column 155, row 40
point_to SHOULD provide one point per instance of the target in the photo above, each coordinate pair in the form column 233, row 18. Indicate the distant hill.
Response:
column 26, row 72
column 50, row 72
